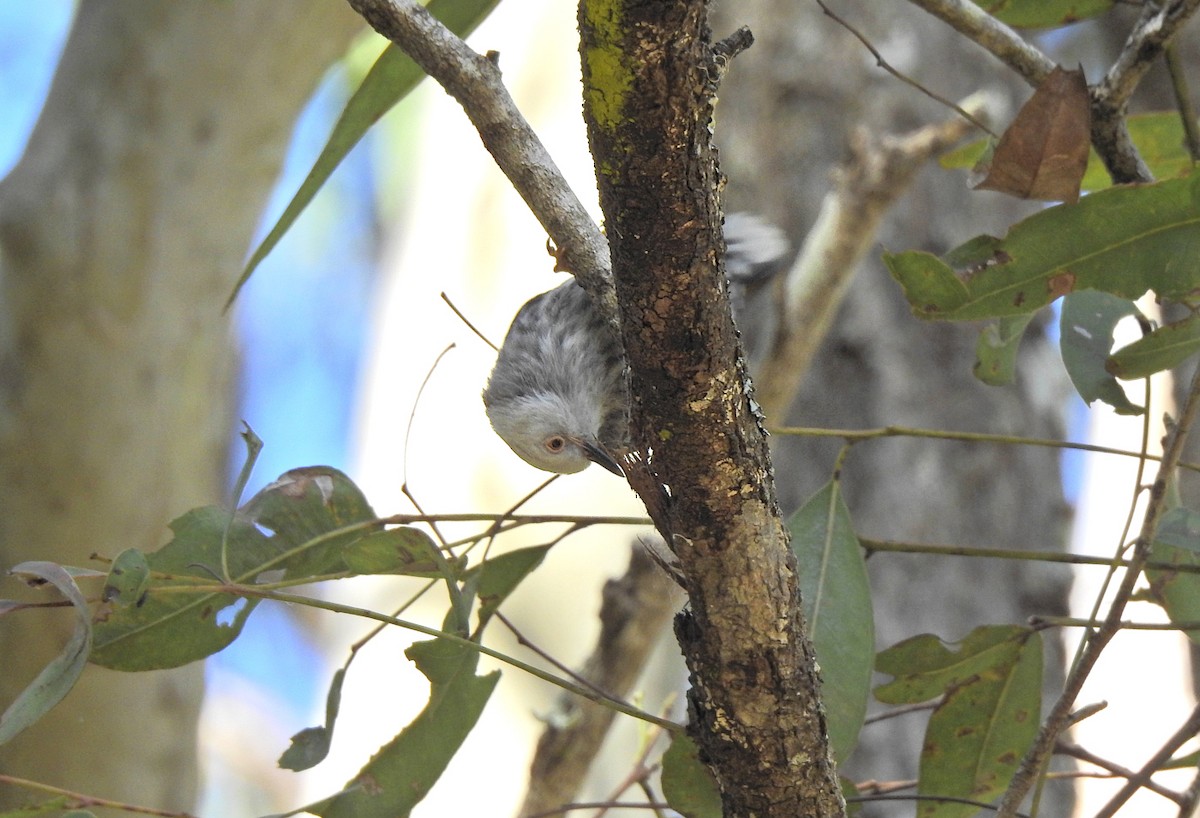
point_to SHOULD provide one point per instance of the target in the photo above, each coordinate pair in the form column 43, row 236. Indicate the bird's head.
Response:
column 549, row 433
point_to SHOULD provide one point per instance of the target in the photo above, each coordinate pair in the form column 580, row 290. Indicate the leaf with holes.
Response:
column 1085, row 340
column 837, row 608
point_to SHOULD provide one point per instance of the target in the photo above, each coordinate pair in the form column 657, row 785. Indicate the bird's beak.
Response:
column 597, row 454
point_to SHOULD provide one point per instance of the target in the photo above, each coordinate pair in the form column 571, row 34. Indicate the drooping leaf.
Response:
column 1164, row 348
column 497, row 577
column 1158, row 137
column 401, row 774
column 988, row 718
column 1177, row 542
column 1044, row 151
column 687, row 784
column 310, row 746
column 128, row 578
column 1043, row 13
column 1085, row 340
column 389, row 81
column 1124, row 240
column 57, row 678
column 837, row 607
column 996, row 351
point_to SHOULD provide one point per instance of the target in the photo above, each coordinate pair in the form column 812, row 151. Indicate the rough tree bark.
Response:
column 702, row 462
column 122, row 231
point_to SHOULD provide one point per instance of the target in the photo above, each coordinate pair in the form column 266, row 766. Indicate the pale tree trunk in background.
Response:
column 123, row 230
column 787, row 108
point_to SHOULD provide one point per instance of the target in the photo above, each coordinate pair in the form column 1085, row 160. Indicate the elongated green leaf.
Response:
column 996, row 352
column 403, row 771
column 1164, row 348
column 987, row 719
column 392, row 77
column 1157, row 136
column 1086, row 338
column 687, row 784
column 1043, row 13
column 837, row 607
column 57, row 678
column 499, row 576
column 53, row 806
column 1124, row 240
column 403, row 550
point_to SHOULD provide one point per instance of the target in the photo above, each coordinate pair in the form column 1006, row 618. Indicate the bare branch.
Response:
column 475, row 82
column 1185, row 733
column 876, row 174
column 985, row 30
column 1110, row 97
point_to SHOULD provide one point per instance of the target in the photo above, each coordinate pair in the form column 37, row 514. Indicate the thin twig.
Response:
column 907, row 80
column 467, row 321
column 80, row 800
column 1185, row 733
column 1066, row 748
column 1027, row 773
column 1183, row 101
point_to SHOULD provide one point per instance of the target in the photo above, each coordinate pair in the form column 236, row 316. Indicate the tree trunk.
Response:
column 787, row 109
column 122, row 231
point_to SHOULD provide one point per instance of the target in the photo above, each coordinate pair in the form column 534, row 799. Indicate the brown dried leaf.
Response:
column 1044, row 152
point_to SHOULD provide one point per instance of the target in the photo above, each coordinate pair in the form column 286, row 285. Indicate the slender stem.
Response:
column 895, row 547
column 1027, row 774
column 615, row 704
column 82, row 801
column 856, row 435
column 1183, row 101
column 1082, row 754
column 1185, row 733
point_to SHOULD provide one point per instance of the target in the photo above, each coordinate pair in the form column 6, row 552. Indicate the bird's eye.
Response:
column 555, row 444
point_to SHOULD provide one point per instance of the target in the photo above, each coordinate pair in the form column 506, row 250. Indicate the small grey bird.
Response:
column 556, row 394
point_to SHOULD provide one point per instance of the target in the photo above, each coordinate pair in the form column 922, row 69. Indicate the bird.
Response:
column 556, row 394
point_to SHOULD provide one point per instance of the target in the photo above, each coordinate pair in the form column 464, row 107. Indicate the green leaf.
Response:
column 404, row 770
column 1177, row 542
column 1164, row 348
column 128, row 578
column 389, row 81
column 57, row 678
column 310, row 746
column 1158, row 137
column 172, row 628
column 988, row 717
column 1124, row 240
column 687, row 784
column 499, row 576
column 302, row 507
column 1043, row 13
column 996, row 352
column 403, row 550
column 1085, row 340
column 837, row 607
